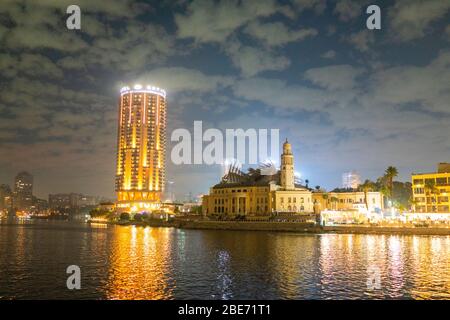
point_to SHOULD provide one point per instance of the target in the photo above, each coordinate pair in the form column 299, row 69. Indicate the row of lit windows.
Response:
column 422, row 191
column 432, row 199
column 229, row 190
column 437, row 181
column 293, row 200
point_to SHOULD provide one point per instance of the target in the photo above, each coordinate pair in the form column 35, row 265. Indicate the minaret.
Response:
column 287, row 167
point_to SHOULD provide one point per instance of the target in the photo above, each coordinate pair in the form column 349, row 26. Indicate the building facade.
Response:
column 141, row 148
column 23, row 191
column 5, row 197
column 431, row 191
column 348, row 200
column 71, row 201
column 254, row 194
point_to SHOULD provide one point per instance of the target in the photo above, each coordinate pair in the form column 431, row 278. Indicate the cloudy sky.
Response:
column 345, row 96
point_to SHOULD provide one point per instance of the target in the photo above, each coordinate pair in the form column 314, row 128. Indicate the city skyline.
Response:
column 310, row 68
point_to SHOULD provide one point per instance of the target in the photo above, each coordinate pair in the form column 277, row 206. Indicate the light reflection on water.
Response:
column 164, row 263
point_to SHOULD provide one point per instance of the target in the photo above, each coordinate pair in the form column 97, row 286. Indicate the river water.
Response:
column 127, row 262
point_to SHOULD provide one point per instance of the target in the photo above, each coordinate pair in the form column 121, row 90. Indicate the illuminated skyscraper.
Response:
column 140, row 176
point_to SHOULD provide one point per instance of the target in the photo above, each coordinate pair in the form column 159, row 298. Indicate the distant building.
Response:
column 141, row 148
column 444, row 167
column 87, row 201
column 23, row 191
column 254, row 194
column 169, row 195
column 431, row 191
column 40, row 206
column 351, row 180
column 5, row 197
column 71, row 201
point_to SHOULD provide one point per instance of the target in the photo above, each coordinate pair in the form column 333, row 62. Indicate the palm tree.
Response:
column 325, row 197
column 431, row 189
column 366, row 187
column 334, row 200
column 390, row 174
column 413, row 203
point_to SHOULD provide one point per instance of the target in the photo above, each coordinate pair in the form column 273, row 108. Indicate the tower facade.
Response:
column 141, row 148
column 23, row 191
column 287, row 167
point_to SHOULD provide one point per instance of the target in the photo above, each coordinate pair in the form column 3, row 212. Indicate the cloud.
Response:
column 334, row 77
column 317, row 5
column 102, row 40
column 412, row 19
column 330, row 54
column 278, row 94
column 362, row 40
column 209, row 21
column 252, row 60
column 426, row 85
column 277, row 34
column 177, row 79
column 348, row 10
column 32, row 65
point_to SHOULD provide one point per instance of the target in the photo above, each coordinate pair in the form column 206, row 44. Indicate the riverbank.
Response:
column 290, row 227
column 311, row 228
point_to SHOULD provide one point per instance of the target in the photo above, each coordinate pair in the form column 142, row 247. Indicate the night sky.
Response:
column 348, row 98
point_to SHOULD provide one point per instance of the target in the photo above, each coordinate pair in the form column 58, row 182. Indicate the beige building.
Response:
column 348, row 200
column 431, row 190
column 256, row 194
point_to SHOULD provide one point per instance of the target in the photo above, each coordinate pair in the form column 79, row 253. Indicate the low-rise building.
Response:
column 350, row 199
column 431, row 190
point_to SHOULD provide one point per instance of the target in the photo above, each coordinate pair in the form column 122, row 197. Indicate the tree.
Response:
column 334, row 200
column 403, row 195
column 124, row 216
column 325, row 197
column 366, row 187
column 390, row 174
column 433, row 191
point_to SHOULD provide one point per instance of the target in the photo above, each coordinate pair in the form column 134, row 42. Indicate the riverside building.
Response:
column 257, row 194
column 431, row 190
column 141, row 148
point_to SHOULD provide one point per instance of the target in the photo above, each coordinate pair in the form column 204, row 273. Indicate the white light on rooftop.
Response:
column 137, row 87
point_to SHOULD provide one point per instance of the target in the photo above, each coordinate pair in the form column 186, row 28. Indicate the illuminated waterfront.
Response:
column 165, row 263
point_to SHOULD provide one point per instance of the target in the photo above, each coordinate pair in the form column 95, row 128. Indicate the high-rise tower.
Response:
column 287, row 167
column 23, row 191
column 140, row 176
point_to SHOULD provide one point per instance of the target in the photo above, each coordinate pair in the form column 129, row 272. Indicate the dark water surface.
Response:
column 164, row 263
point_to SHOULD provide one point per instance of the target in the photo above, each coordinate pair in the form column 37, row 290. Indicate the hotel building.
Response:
column 141, row 147
column 431, row 190
column 255, row 194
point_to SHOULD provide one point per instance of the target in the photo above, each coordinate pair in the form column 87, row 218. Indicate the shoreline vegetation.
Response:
column 297, row 227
